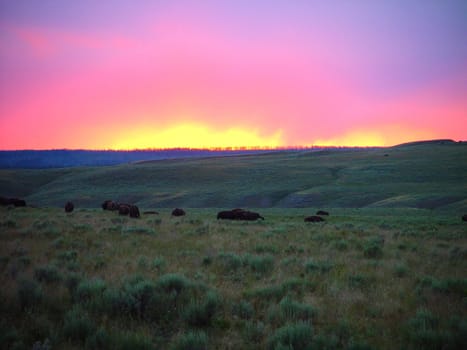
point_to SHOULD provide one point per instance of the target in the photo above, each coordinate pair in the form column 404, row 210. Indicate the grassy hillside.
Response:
column 423, row 175
column 365, row 279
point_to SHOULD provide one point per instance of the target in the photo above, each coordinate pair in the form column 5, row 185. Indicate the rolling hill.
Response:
column 430, row 175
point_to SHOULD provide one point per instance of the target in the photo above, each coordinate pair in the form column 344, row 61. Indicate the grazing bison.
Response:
column 12, row 201
column 69, row 207
column 464, row 218
column 134, row 211
column 178, row 212
column 238, row 214
column 314, row 218
column 123, row 209
column 226, row 215
column 110, row 205
column 322, row 212
column 250, row 216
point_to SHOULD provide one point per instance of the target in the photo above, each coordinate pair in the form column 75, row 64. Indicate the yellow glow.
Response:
column 189, row 135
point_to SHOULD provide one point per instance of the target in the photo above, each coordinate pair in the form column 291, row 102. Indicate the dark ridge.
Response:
column 427, row 142
column 43, row 159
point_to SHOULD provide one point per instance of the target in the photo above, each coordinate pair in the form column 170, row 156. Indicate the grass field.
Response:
column 429, row 176
column 386, row 270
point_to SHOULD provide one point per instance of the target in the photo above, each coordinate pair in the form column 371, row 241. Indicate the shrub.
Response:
column 139, row 230
column 423, row 331
column 445, row 286
column 292, row 336
column 38, row 345
column 266, row 294
column 8, row 224
column 47, row 274
column 207, row 260
column 373, row 248
column 298, row 285
column 139, row 296
column 260, row 264
column 191, row 341
column 88, row 290
column 289, row 310
column 29, row 294
column 253, row 331
column 260, row 248
column 24, row 261
column 77, row 325
column 142, row 262
column 200, row 313
column 400, row 270
column 230, row 262
column 243, row 309
column 173, row 283
column 341, row 244
column 58, row 242
column 68, row 256
column 318, row 266
column 450, row 285
column 360, row 281
column 72, row 281
column 101, row 340
column 134, row 298
column 159, row 264
column 132, row 341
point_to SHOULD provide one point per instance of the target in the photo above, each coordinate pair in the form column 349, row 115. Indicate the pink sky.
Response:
column 233, row 73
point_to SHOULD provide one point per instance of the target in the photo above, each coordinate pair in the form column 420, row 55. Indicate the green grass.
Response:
column 237, row 284
column 431, row 176
column 386, row 270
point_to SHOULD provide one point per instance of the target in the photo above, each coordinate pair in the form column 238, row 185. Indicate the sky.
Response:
column 126, row 74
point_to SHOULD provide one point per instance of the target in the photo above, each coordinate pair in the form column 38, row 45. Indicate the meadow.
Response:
column 386, row 270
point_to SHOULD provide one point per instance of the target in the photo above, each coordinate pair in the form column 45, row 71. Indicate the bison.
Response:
column 238, row 214
column 69, row 207
column 250, row 216
column 322, row 212
column 110, row 205
column 314, row 218
column 13, row 201
column 178, row 212
column 134, row 211
column 123, row 209
column 226, row 215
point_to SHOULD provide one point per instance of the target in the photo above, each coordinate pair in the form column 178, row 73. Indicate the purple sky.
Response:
column 281, row 72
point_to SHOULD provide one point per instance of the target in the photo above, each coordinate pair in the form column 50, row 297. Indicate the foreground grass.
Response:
column 366, row 279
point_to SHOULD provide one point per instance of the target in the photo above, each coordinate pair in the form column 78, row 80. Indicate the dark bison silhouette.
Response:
column 12, row 201
column 134, row 211
column 464, row 217
column 322, row 212
column 238, row 214
column 250, row 216
column 178, row 212
column 69, row 207
column 314, row 218
column 123, row 209
column 110, row 205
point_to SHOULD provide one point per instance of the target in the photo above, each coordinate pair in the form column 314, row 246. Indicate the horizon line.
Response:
column 209, row 149
column 229, row 149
